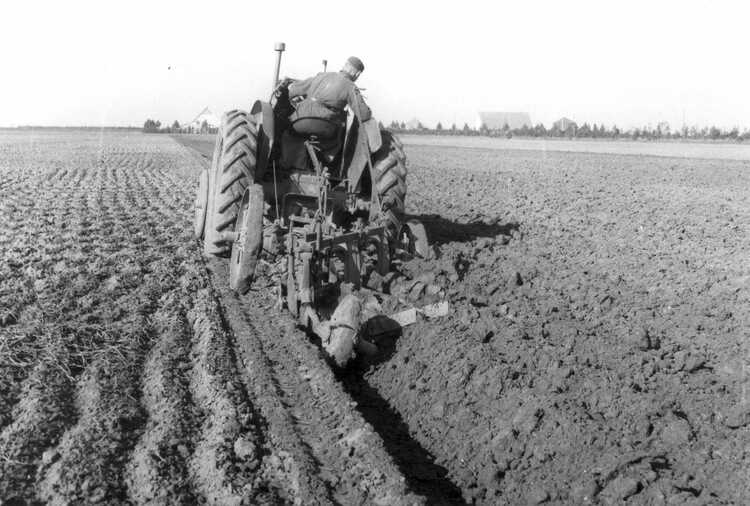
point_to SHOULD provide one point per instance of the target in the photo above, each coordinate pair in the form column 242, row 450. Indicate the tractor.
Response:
column 324, row 211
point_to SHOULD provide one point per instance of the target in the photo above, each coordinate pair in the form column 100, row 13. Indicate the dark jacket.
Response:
column 326, row 96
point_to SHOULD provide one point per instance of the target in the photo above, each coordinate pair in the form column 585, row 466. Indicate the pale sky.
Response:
column 631, row 62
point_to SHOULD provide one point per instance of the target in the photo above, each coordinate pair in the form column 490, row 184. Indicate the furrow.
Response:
column 157, row 471
column 44, row 412
column 226, row 462
column 93, row 452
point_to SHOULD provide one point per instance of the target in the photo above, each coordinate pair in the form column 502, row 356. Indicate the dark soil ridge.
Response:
column 596, row 355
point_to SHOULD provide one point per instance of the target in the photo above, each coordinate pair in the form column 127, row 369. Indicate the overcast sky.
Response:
column 631, row 63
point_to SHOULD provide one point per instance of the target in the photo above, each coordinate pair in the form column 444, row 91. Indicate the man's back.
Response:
column 334, row 90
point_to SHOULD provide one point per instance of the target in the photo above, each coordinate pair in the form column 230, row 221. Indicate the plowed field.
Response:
column 597, row 350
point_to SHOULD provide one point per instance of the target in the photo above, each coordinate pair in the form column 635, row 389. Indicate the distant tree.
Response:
column 439, row 127
column 615, row 131
column 204, row 127
column 524, row 131
column 483, row 130
column 466, row 129
column 453, row 128
column 403, row 126
column 506, row 127
column 714, row 133
column 380, row 125
column 151, row 126
column 663, row 129
column 584, row 131
column 176, row 126
column 539, row 130
column 420, row 126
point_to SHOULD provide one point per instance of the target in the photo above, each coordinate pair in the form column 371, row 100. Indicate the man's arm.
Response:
column 300, row 88
column 358, row 105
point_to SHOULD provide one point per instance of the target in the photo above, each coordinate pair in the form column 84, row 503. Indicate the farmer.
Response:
column 325, row 96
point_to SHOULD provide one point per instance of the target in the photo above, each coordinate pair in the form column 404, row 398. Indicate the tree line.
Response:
column 594, row 131
column 151, row 126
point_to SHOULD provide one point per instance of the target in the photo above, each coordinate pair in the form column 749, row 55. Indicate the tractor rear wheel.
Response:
column 232, row 170
column 389, row 174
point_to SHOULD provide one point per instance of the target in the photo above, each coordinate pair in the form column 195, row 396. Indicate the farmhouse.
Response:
column 205, row 122
column 565, row 125
column 498, row 120
column 413, row 124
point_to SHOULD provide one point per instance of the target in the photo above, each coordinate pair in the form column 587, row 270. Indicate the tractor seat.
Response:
column 310, row 126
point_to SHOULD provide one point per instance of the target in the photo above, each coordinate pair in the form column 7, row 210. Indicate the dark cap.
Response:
column 356, row 63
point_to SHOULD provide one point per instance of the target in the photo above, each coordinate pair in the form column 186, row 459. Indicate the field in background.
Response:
column 718, row 151
column 596, row 349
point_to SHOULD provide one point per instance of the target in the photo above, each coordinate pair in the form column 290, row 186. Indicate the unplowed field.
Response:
column 596, row 351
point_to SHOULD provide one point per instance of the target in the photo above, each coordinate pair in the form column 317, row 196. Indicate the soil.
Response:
column 595, row 351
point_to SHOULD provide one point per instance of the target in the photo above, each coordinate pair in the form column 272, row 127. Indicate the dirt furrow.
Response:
column 87, row 464
column 226, row 462
column 345, row 450
column 157, row 471
column 45, row 410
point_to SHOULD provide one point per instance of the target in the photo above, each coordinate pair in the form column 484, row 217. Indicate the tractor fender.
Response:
column 364, row 138
column 262, row 114
column 374, row 139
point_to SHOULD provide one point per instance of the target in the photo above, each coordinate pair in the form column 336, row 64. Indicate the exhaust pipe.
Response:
column 279, row 48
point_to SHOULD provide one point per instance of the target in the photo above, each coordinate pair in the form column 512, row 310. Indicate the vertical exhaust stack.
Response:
column 325, row 65
column 279, row 48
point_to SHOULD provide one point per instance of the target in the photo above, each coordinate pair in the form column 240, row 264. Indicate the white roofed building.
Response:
column 205, row 122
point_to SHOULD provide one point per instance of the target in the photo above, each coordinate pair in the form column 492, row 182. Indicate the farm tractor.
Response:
column 325, row 212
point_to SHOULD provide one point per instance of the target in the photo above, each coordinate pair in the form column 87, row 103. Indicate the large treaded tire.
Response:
column 232, row 170
column 389, row 174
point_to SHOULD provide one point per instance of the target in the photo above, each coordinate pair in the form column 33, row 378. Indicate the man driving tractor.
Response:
column 325, row 96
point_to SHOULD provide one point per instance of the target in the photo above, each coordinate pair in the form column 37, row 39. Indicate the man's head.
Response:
column 353, row 67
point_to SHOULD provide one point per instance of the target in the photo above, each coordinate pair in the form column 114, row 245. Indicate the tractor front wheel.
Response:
column 248, row 240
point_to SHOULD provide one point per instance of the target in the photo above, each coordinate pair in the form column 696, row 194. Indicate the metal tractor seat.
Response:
column 316, row 128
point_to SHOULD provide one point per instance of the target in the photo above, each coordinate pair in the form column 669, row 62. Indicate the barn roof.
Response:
column 495, row 120
column 206, row 114
column 412, row 124
column 564, row 120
